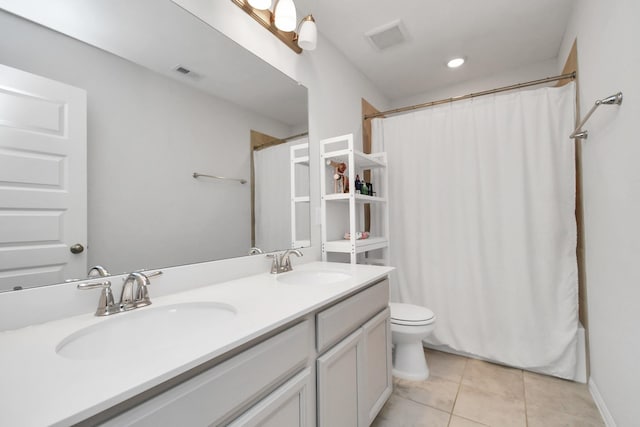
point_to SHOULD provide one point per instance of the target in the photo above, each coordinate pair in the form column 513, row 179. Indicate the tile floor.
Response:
column 463, row 392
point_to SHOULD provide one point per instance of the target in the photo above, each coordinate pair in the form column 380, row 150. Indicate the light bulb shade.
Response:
column 308, row 37
column 285, row 15
column 260, row 4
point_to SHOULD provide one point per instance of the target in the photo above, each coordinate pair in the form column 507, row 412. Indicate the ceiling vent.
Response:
column 180, row 69
column 388, row 35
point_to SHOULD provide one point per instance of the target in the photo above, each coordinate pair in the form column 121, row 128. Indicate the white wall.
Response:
column 534, row 71
column 146, row 135
column 335, row 86
column 608, row 62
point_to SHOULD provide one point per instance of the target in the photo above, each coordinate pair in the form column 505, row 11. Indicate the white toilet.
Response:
column 410, row 324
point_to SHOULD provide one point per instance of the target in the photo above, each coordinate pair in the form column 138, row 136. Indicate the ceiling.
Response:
column 494, row 35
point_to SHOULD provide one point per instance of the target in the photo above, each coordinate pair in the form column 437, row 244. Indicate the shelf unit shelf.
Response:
column 341, row 150
column 360, row 198
column 360, row 246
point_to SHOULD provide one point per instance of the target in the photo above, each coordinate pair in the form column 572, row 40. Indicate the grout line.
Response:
column 466, row 361
column 524, row 395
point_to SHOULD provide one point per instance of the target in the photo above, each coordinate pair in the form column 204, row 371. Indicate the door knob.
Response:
column 77, row 248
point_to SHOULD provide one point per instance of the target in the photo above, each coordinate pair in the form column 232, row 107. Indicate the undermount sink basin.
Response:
column 312, row 277
column 148, row 331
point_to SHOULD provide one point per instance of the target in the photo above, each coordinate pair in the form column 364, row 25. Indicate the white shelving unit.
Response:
column 299, row 155
column 337, row 208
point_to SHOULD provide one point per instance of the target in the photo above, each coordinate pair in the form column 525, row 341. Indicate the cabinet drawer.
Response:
column 288, row 406
column 221, row 392
column 343, row 318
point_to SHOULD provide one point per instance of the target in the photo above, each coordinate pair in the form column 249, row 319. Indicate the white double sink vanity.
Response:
column 311, row 346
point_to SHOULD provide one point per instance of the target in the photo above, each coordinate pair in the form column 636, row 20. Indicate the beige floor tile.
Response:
column 463, row 422
column 435, row 392
column 497, row 379
column 400, row 412
column 561, row 396
column 489, row 408
column 445, row 365
column 543, row 417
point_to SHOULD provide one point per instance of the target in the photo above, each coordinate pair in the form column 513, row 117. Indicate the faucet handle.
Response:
column 106, row 304
column 275, row 264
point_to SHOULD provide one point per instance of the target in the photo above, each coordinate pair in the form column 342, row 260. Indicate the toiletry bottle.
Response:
column 364, row 189
column 358, row 184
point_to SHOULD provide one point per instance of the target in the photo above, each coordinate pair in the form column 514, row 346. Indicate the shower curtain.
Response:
column 482, row 224
column 272, row 176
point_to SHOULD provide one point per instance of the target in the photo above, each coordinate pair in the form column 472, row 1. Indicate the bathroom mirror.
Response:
column 167, row 96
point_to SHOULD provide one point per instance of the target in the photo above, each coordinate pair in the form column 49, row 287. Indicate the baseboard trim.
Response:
column 602, row 407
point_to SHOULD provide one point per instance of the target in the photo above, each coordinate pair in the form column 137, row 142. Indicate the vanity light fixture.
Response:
column 455, row 62
column 281, row 22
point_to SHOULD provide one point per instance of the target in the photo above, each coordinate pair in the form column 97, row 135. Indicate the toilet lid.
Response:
column 409, row 314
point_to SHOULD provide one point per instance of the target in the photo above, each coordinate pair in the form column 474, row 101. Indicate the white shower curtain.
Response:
column 482, row 224
column 272, row 173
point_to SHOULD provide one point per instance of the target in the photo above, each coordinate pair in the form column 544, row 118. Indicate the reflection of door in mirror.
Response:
column 280, row 184
column 43, row 197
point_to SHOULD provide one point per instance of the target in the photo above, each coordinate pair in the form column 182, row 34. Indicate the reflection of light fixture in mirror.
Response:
column 285, row 15
column 308, row 34
column 260, row 4
column 282, row 22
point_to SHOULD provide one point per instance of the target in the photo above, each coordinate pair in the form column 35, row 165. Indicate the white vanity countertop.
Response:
column 40, row 387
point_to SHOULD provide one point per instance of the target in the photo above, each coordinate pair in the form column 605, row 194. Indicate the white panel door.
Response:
column 376, row 382
column 43, row 185
column 338, row 378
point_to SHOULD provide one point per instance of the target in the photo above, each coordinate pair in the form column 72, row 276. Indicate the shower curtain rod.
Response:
column 571, row 76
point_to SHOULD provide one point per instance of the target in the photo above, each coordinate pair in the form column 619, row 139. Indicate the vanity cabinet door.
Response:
column 377, row 380
column 288, row 406
column 338, row 376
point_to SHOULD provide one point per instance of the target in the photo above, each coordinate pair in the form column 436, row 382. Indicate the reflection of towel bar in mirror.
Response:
column 240, row 180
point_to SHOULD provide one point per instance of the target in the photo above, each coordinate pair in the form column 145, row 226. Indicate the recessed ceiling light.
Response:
column 455, row 62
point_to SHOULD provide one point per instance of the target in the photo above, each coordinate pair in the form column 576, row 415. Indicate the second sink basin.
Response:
column 300, row 277
column 148, row 331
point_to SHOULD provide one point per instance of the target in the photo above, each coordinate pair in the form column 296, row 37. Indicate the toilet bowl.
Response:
column 410, row 324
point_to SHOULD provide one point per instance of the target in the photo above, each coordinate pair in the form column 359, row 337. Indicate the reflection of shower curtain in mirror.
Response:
column 482, row 228
column 273, row 196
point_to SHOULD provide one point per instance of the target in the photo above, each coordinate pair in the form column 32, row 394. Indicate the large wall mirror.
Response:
column 167, row 96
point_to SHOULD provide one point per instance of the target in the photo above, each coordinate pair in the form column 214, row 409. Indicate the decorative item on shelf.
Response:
column 364, row 188
column 340, row 179
column 359, row 235
column 280, row 18
column 370, row 189
column 358, row 184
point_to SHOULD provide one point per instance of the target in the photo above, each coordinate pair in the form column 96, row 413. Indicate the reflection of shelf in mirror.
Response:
column 302, row 160
column 301, row 199
column 301, row 244
column 361, row 198
column 363, row 161
column 363, row 245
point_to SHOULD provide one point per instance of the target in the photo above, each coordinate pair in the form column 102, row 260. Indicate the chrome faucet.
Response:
column 129, row 298
column 281, row 262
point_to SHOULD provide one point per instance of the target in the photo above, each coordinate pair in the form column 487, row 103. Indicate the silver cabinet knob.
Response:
column 77, row 248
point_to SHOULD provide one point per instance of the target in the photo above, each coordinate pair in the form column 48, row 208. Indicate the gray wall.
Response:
column 608, row 62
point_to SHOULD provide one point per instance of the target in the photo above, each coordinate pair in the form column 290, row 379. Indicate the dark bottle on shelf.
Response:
column 358, row 184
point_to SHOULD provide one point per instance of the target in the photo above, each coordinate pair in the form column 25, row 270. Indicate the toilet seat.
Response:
column 411, row 315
